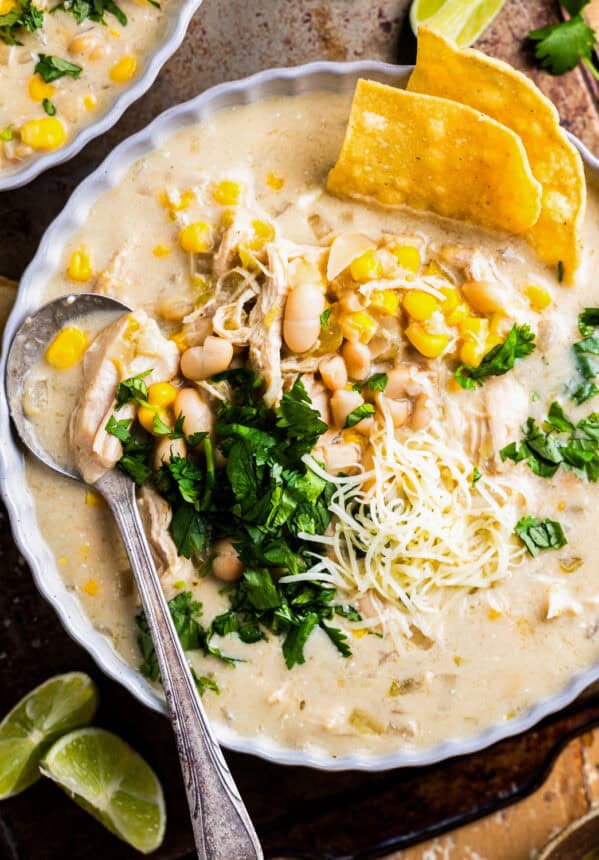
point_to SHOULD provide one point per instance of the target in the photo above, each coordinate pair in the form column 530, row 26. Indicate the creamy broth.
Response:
column 39, row 115
column 495, row 651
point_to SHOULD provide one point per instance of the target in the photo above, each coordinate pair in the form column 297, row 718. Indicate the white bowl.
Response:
column 338, row 77
column 177, row 21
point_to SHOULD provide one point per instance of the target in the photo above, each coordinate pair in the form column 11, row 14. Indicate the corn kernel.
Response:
column 85, row 550
column 162, row 394
column 493, row 615
column 492, row 341
column 471, row 353
column 67, row 348
column 227, row 219
column 39, row 90
column 456, row 316
column 146, row 415
column 451, row 300
column 43, row 134
column 93, row 500
column 89, row 102
column 227, row 193
column 246, row 256
column 275, row 182
column 7, row 6
column 91, row 587
column 475, row 329
column 433, row 269
column 123, row 70
column 114, row 33
column 263, row 233
column 385, row 301
column 427, row 343
column 80, row 266
column 62, row 560
column 161, row 251
column 366, row 267
column 538, row 298
column 561, row 505
column 196, row 238
column 180, row 341
column 358, row 325
column 420, row 305
column 408, row 257
column 352, row 436
column 359, row 634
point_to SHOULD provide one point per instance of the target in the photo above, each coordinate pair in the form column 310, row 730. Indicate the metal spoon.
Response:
column 221, row 825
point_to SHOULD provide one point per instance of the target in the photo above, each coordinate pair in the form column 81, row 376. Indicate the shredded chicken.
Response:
column 475, row 265
column 198, row 324
column 116, row 279
column 224, row 259
column 132, row 344
column 156, row 515
column 265, row 325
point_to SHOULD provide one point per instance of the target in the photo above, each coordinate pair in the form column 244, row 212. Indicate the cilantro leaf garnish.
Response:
column 92, row 9
column 583, row 386
column 377, row 382
column 24, row 16
column 324, row 317
column 132, row 390
column 561, row 47
column 518, row 344
column 49, row 107
column 136, row 454
column 6, row 133
column 51, row 68
column 574, row 447
column 365, row 410
column 540, row 534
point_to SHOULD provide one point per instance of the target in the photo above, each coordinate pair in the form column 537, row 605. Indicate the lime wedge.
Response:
column 460, row 20
column 111, row 782
column 58, row 705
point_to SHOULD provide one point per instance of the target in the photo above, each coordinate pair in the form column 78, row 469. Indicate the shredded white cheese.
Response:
column 414, row 529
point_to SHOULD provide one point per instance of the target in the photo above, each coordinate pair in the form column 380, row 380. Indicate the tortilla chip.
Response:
column 428, row 153
column 501, row 92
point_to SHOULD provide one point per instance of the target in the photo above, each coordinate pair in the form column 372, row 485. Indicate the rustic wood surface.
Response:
column 297, row 811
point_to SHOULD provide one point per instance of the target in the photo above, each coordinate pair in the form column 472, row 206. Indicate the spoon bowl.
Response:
column 28, row 348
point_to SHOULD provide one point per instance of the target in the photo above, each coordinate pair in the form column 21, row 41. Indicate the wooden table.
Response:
column 227, row 40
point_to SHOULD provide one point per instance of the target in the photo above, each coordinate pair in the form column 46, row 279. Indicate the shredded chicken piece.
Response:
column 265, row 325
column 507, row 406
column 472, row 262
column 134, row 348
column 230, row 321
column 224, row 259
column 561, row 602
column 156, row 515
column 198, row 324
column 117, row 280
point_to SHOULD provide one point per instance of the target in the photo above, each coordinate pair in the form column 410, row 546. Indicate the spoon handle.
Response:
column 221, row 825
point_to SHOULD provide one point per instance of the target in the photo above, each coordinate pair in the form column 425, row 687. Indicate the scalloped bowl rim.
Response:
column 284, row 81
column 178, row 22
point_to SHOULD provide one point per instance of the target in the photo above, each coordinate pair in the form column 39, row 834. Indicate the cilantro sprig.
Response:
column 518, row 344
column 560, row 443
column 51, row 68
column 583, row 386
column 561, row 47
column 24, row 16
column 94, row 10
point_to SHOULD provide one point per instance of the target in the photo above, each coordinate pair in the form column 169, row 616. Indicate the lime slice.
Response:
column 111, row 782
column 460, row 20
column 60, row 704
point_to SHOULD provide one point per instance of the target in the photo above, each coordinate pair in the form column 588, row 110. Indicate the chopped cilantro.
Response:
column 560, row 271
column 476, row 476
column 540, row 534
column 132, row 390
column 518, row 344
column 6, row 134
column 23, row 16
column 561, row 47
column 377, row 382
column 324, row 317
column 562, row 443
column 93, row 9
column 136, row 454
column 357, row 414
column 51, row 68
column 49, row 107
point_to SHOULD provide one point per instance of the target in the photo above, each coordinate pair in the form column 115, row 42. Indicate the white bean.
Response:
column 357, row 360
column 486, row 297
column 301, row 323
column 342, row 403
column 226, row 564
column 398, row 381
column 333, row 372
column 167, row 448
column 202, row 362
column 422, row 413
column 197, row 415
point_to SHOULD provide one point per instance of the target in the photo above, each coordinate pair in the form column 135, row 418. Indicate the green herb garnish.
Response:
column 136, row 454
column 583, row 386
column 52, row 68
column 562, row 443
column 93, row 9
column 6, row 134
column 357, row 414
column 377, row 382
column 561, row 47
column 49, row 107
column 518, row 344
column 133, row 390
column 540, row 534
column 324, row 317
column 24, row 16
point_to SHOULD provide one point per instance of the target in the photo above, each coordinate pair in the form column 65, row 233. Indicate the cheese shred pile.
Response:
column 416, row 529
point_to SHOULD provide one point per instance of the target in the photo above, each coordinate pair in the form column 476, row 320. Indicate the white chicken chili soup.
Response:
column 378, row 596
column 62, row 65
